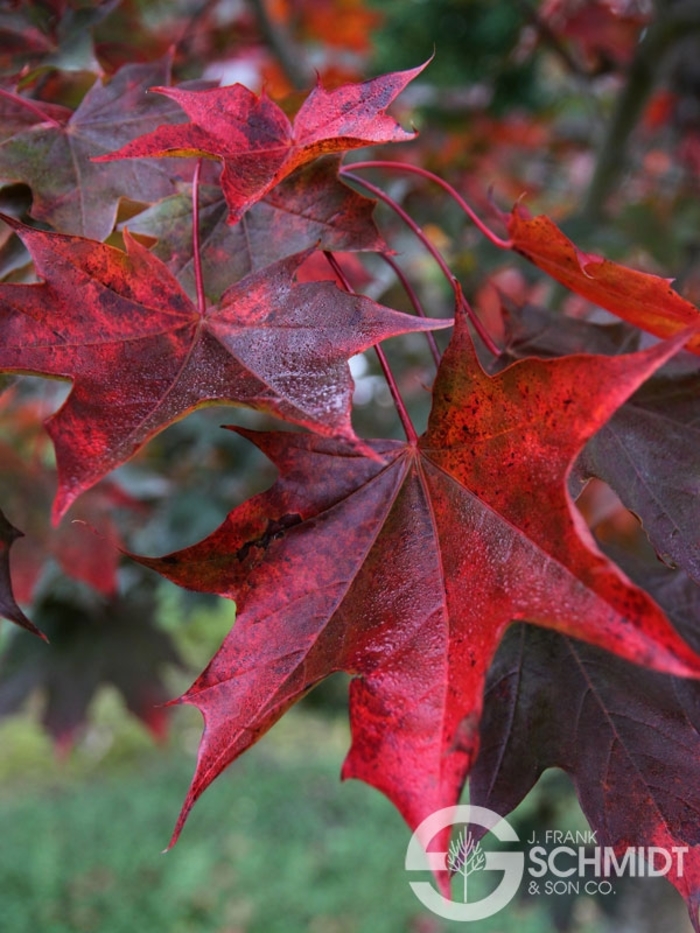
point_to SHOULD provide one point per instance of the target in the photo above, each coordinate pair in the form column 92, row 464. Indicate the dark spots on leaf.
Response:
column 170, row 560
column 276, row 529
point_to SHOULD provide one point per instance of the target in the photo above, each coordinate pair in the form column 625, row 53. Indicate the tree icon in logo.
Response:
column 465, row 857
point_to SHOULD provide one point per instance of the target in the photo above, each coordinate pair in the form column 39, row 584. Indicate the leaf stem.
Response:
column 29, row 105
column 434, row 252
column 446, row 186
column 411, row 435
column 198, row 277
column 415, row 301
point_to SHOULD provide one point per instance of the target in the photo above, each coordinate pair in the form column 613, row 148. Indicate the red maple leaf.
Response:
column 406, row 572
column 30, row 486
column 255, row 141
column 646, row 300
column 141, row 355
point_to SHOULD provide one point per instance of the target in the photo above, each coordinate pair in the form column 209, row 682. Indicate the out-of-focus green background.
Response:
column 276, row 845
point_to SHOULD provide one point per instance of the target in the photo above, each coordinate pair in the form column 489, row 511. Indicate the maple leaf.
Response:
column 631, row 451
column 531, row 330
column 255, row 141
column 77, row 196
column 8, row 604
column 311, row 207
column 631, row 454
column 141, row 355
column 646, row 300
column 92, row 559
column 606, row 32
column 114, row 641
column 629, row 738
column 53, row 34
column 407, row 572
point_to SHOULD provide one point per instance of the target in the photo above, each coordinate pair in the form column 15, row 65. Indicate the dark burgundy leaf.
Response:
column 77, row 196
column 8, row 605
column 112, row 642
column 648, row 453
column 629, row 738
column 310, row 208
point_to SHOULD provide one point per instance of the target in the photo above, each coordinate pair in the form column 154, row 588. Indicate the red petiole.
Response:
column 415, row 301
column 410, row 431
column 434, row 252
column 196, row 251
column 29, row 105
column 424, row 173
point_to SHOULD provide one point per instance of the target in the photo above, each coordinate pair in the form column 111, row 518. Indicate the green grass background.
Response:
column 276, row 845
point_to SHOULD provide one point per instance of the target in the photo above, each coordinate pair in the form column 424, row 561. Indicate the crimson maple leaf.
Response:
column 406, row 572
column 141, row 355
column 255, row 141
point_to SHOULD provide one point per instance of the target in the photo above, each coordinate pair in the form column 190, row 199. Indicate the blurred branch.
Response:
column 673, row 21
column 550, row 38
column 282, row 47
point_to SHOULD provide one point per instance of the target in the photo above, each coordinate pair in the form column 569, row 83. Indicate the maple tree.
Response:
column 199, row 246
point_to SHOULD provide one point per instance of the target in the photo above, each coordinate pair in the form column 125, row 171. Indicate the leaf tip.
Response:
column 167, row 91
column 11, row 221
column 15, row 614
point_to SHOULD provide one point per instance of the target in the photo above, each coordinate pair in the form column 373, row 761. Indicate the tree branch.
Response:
column 672, row 22
column 282, row 46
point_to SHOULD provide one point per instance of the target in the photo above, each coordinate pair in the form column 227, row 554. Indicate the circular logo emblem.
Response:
column 465, row 858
